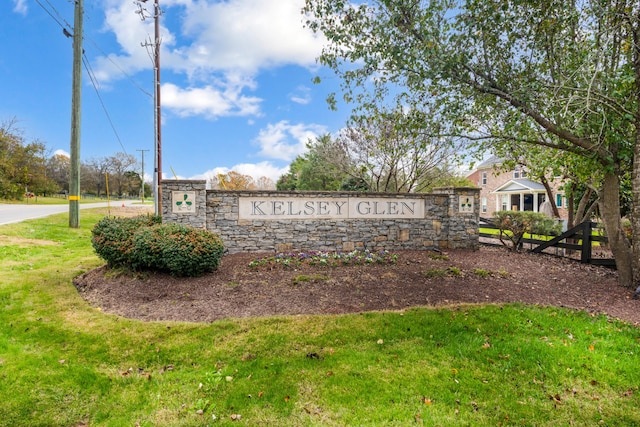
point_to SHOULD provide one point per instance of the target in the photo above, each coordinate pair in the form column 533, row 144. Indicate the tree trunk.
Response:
column 635, row 213
column 635, row 173
column 547, row 187
column 618, row 242
column 583, row 211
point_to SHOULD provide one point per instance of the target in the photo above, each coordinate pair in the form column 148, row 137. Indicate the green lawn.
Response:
column 62, row 201
column 64, row 363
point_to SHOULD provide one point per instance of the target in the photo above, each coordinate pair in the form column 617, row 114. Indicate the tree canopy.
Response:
column 505, row 73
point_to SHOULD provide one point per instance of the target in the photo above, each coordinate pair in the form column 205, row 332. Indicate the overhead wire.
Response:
column 110, row 59
column 57, row 17
column 94, row 83
column 58, row 13
column 51, row 14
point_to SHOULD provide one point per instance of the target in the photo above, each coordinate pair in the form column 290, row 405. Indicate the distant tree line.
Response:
column 28, row 168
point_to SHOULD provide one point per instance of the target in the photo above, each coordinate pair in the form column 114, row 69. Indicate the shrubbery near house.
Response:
column 144, row 243
column 513, row 225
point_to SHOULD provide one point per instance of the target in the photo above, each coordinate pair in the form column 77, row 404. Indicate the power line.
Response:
column 95, row 87
column 53, row 17
column 110, row 59
column 65, row 29
column 58, row 13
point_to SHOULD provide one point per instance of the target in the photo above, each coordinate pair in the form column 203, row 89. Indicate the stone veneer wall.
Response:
column 449, row 221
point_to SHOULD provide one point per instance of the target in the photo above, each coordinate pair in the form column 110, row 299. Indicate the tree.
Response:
column 123, row 180
column 94, row 174
column 232, row 181
column 553, row 73
column 58, row 167
column 289, row 181
column 394, row 150
column 265, row 183
column 444, row 176
column 22, row 164
column 323, row 167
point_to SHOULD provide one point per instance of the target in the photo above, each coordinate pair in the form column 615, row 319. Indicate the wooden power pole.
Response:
column 157, row 163
column 156, row 65
column 76, row 91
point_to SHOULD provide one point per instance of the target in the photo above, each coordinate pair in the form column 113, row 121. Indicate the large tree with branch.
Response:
column 395, row 150
column 555, row 73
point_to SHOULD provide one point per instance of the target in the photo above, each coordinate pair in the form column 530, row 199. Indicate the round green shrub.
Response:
column 112, row 238
column 177, row 249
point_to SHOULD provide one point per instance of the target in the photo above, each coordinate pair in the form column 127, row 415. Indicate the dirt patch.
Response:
column 489, row 275
column 15, row 240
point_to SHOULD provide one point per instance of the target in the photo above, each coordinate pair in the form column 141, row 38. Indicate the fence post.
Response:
column 586, row 242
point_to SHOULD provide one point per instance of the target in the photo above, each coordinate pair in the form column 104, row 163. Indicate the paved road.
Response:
column 20, row 212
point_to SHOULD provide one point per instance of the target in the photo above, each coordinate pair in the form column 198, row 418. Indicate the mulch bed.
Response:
column 485, row 276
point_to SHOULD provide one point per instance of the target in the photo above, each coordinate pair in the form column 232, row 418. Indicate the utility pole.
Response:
column 76, row 90
column 157, row 175
column 156, row 16
column 142, row 176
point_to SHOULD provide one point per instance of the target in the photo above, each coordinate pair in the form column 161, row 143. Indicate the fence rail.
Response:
column 579, row 239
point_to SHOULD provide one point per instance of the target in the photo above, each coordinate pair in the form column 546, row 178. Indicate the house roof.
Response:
column 520, row 186
column 490, row 162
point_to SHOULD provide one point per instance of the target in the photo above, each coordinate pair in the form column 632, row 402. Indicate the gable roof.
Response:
column 520, row 186
column 490, row 162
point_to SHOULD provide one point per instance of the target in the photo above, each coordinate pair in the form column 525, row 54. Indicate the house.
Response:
column 512, row 190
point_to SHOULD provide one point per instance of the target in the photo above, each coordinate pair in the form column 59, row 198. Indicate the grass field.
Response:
column 62, row 201
column 64, row 363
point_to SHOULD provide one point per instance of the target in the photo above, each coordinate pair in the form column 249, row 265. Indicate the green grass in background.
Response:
column 64, row 363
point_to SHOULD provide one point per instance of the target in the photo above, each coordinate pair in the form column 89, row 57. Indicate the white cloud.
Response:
column 248, row 35
column 208, row 101
column 220, row 46
column 130, row 32
column 302, row 95
column 285, row 141
column 20, row 6
column 61, row 152
column 254, row 170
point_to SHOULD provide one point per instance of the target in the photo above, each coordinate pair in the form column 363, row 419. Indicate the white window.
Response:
column 519, row 172
column 484, row 205
column 484, row 178
column 505, row 202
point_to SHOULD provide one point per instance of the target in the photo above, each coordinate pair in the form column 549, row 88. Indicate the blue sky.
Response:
column 237, row 82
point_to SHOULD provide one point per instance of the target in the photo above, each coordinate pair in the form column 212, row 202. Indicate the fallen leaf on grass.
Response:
column 557, row 399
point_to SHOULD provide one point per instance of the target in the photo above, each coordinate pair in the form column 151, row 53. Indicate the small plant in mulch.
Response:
column 481, row 272
column 324, row 259
column 302, row 278
column 442, row 272
column 503, row 273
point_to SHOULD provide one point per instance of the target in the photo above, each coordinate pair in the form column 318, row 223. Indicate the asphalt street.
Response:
column 20, row 212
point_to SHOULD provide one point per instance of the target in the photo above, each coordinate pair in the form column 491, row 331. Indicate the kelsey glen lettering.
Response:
column 265, row 208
